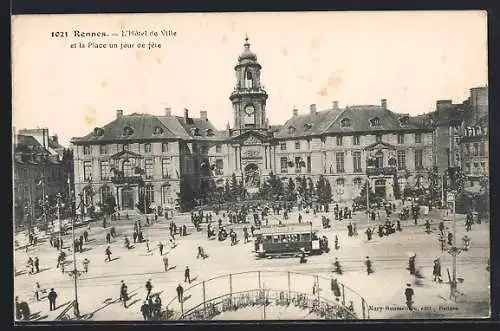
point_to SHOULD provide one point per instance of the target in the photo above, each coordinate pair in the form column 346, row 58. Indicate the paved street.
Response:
column 98, row 291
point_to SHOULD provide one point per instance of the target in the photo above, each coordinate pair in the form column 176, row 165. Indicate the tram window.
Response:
column 314, row 236
column 305, row 237
column 275, row 239
column 267, row 239
column 297, row 237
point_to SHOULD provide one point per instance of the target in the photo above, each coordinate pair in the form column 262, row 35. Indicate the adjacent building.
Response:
column 165, row 157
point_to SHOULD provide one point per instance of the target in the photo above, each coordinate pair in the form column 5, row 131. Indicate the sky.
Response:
column 409, row 58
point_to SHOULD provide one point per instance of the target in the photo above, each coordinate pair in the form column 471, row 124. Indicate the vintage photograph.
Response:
column 251, row 166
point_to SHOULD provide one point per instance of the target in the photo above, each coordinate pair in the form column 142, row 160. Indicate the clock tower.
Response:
column 248, row 97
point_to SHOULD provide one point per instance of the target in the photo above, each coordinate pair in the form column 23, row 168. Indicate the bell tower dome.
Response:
column 248, row 97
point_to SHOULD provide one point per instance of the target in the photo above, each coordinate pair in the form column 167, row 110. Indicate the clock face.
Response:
column 249, row 110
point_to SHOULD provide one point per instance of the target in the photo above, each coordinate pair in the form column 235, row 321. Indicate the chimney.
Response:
column 55, row 139
column 203, row 115
column 335, row 105
column 168, row 111
column 186, row 114
column 312, row 108
column 443, row 104
column 383, row 103
column 119, row 113
column 295, row 112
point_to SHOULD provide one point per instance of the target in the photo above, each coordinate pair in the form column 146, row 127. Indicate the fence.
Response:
column 66, row 315
column 217, row 289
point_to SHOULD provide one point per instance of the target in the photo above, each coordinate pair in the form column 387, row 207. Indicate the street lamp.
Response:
column 76, row 309
column 58, row 205
column 454, row 251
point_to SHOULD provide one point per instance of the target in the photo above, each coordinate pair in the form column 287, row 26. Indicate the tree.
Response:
column 143, row 203
column 234, row 187
column 327, row 194
column 324, row 190
column 434, row 185
column 186, row 196
column 361, row 199
column 397, row 188
column 275, row 186
column 290, row 189
column 227, row 191
column 108, row 205
column 310, row 186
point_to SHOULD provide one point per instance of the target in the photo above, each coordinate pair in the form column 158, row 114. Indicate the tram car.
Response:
column 288, row 241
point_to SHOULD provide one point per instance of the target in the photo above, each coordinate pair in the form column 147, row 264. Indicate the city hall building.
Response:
column 163, row 155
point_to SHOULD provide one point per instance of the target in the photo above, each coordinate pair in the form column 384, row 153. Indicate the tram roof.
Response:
column 289, row 229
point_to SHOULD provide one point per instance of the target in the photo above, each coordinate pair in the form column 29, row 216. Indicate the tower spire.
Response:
column 247, row 44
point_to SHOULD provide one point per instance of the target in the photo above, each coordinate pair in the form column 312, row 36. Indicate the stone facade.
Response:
column 165, row 154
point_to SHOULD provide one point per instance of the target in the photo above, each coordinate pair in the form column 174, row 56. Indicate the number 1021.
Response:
column 59, row 34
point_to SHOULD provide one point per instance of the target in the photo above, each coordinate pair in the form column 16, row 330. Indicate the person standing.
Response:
column 86, row 236
column 108, row 238
column 149, row 287
column 85, row 263
column 165, row 261
column 334, row 285
column 160, row 247
column 145, row 310
column 187, row 276
column 37, row 290
column 52, row 299
column 180, row 291
column 411, row 264
column 123, row 294
column 436, row 271
column 36, row 263
column 368, row 263
column 108, row 254
column 409, row 296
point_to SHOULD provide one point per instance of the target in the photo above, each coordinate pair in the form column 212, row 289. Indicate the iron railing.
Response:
column 279, row 281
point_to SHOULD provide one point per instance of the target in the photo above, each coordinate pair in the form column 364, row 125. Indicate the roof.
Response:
column 360, row 117
column 147, row 126
column 27, row 141
column 308, row 124
column 297, row 228
column 330, row 122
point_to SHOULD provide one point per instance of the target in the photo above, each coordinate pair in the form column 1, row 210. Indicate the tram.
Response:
column 288, row 241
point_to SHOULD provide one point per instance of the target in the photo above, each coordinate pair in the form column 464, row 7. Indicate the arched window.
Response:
column 248, row 79
column 158, row 130
column 357, row 182
column 105, row 193
column 291, row 129
column 150, row 194
column 340, row 182
column 127, row 168
column 210, row 132
column 128, row 131
column 307, row 126
column 379, row 159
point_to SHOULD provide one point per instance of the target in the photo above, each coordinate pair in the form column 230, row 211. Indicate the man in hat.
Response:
column 52, row 299
column 368, row 263
column 409, row 296
column 149, row 287
column 180, row 291
column 436, row 271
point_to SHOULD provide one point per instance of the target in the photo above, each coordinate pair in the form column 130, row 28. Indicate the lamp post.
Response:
column 368, row 199
column 454, row 251
column 71, row 200
column 58, row 205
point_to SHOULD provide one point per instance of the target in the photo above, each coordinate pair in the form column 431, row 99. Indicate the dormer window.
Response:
column 128, row 131
column 98, row 132
column 158, row 130
column 345, row 123
column 195, row 132
column 210, row 132
column 403, row 121
column 307, row 126
column 375, row 122
column 291, row 129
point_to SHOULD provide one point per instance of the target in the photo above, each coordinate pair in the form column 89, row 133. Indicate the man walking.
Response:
column 36, row 263
column 368, row 263
column 409, row 296
column 149, row 287
column 187, row 277
column 52, row 299
column 180, row 291
column 85, row 263
column 108, row 254
column 160, row 247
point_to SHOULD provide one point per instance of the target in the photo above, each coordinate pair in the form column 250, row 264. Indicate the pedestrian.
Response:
column 86, row 236
column 334, row 285
column 37, row 291
column 36, row 263
column 108, row 254
column 436, row 271
column 441, row 227
column 354, row 230
column 145, row 310
column 409, row 296
column 85, row 263
column 187, row 276
column 336, row 241
column 411, row 264
column 124, row 294
column 134, row 236
column 338, row 267
column 165, row 261
column 149, row 287
column 450, row 238
column 180, row 291
column 368, row 263
column 108, row 238
column 160, row 247
column 52, row 299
